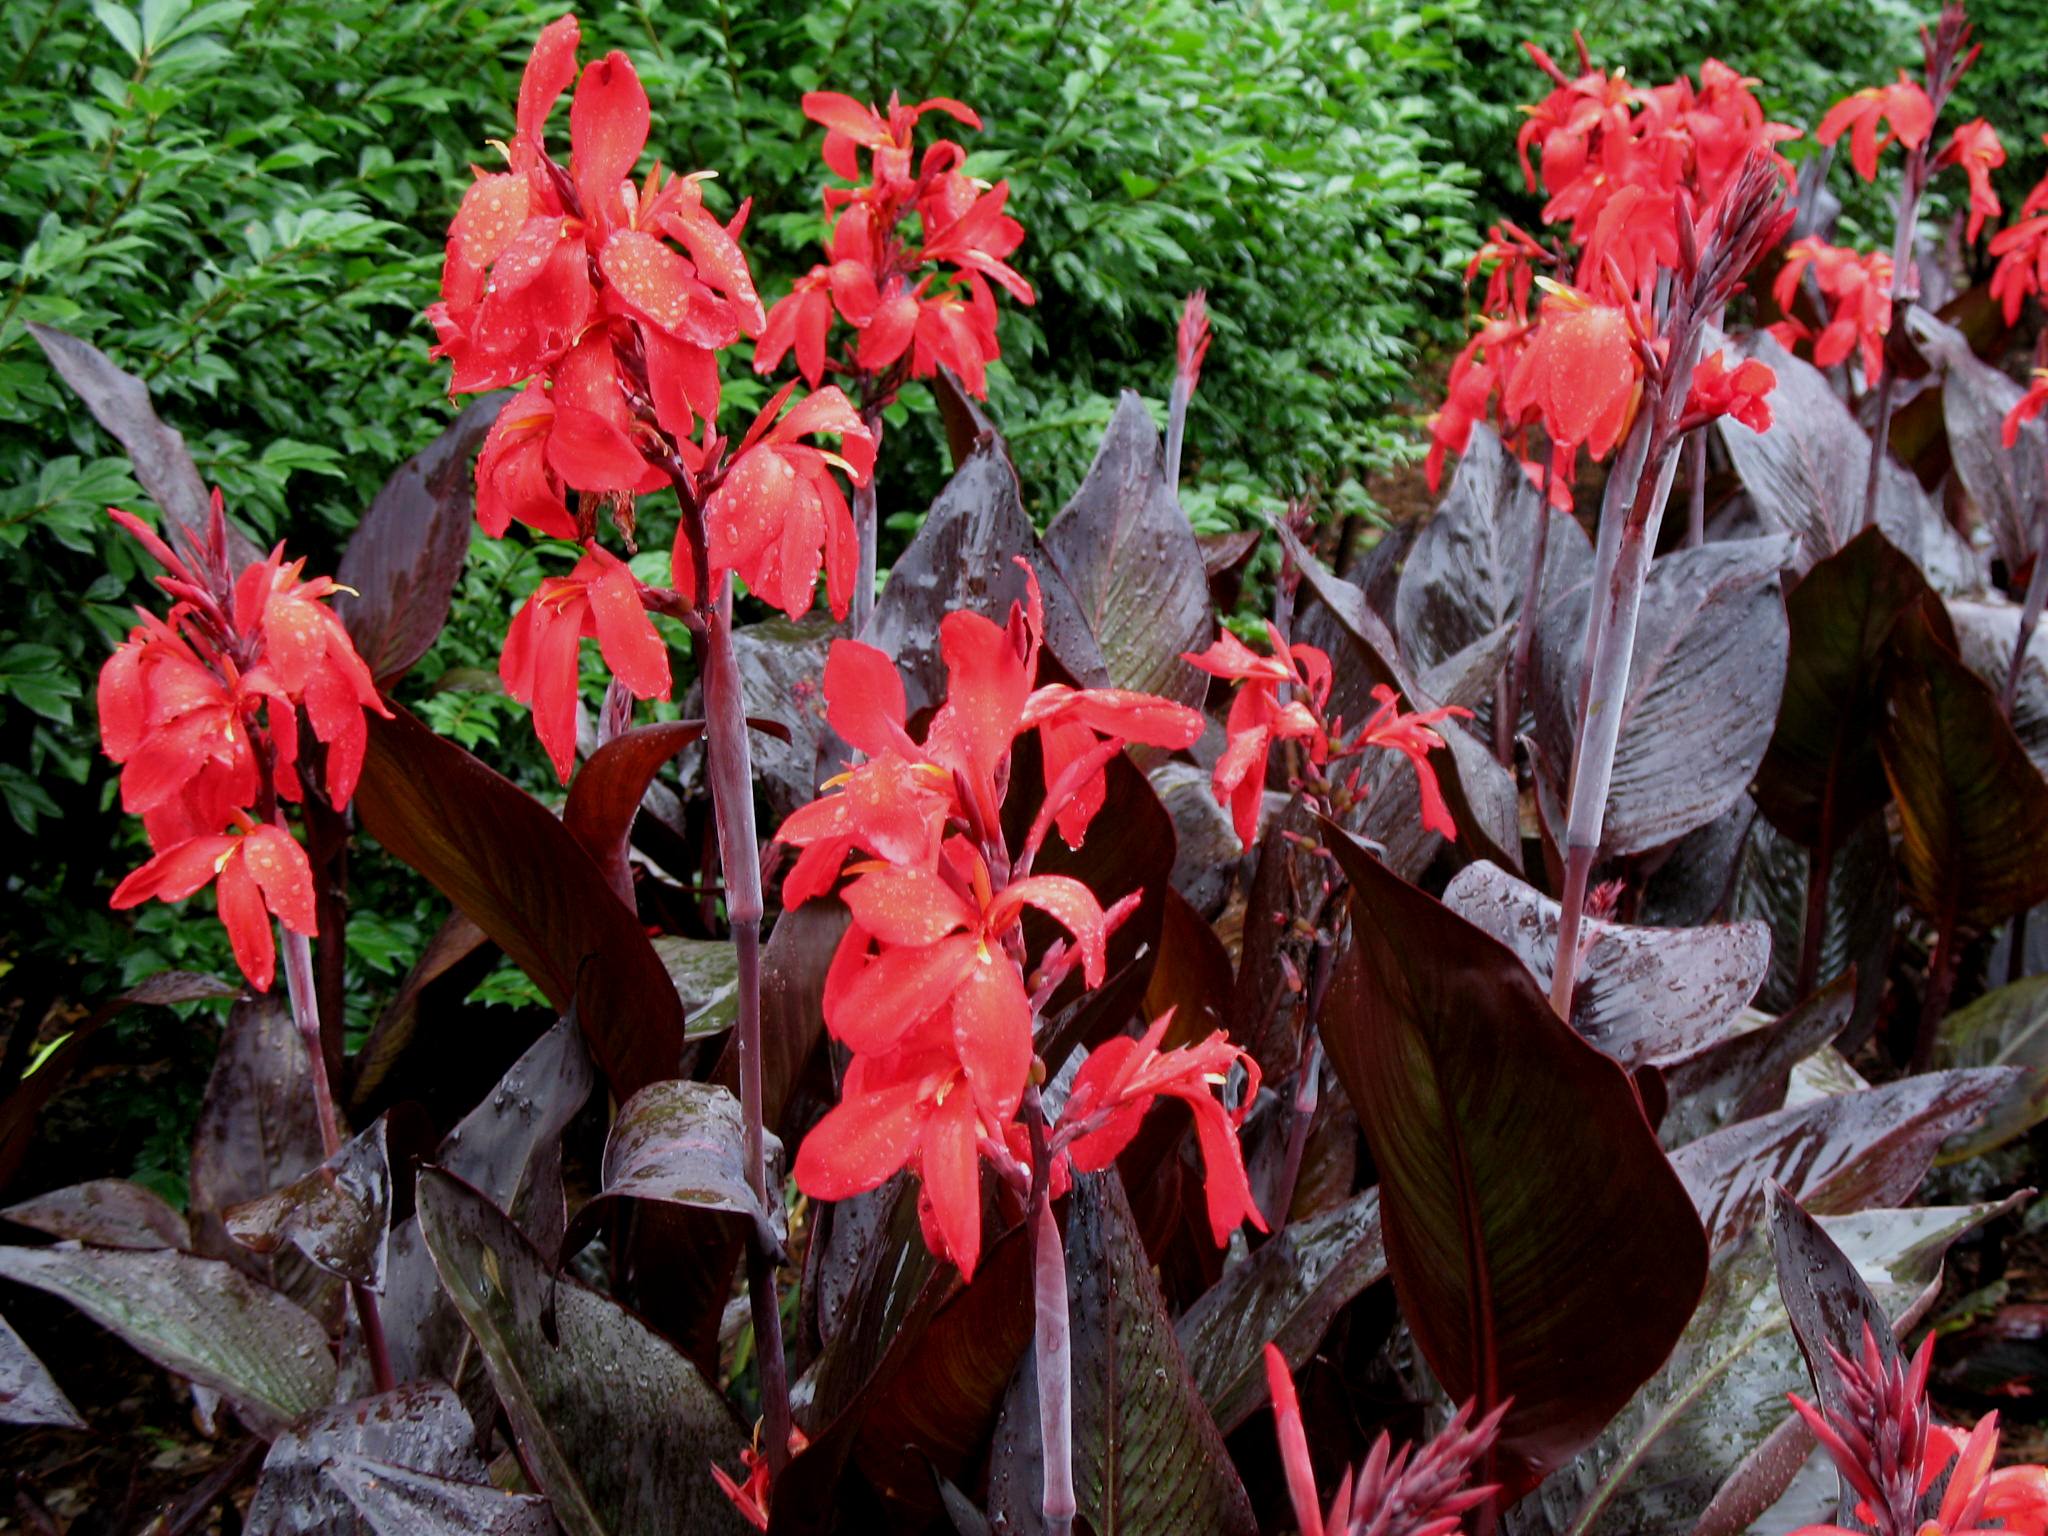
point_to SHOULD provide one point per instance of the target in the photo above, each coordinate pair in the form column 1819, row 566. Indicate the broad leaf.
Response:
column 1822, row 775
column 1285, row 1294
column 605, row 798
column 1206, row 849
column 1464, row 577
column 1131, row 562
column 1862, row 901
column 457, row 948
column 1719, row 1398
column 1704, row 684
column 338, row 1215
column 28, row 1393
column 1986, row 634
column 1842, row 1153
column 405, row 557
column 2009, row 486
column 706, row 973
column 2007, row 1027
column 1191, row 974
column 964, row 557
column 1973, row 810
column 104, row 1213
column 1542, row 1247
column 1481, row 794
column 1746, row 1074
column 782, row 672
column 397, row 1501
column 616, row 1426
column 1148, row 1460
column 199, row 1318
column 495, row 852
column 419, row 1427
column 680, row 1143
column 1652, row 995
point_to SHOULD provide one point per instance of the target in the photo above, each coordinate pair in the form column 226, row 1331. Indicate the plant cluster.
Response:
column 1050, row 1089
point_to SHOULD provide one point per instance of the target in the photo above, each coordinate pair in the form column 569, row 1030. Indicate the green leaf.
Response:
column 2003, row 1028
column 121, row 25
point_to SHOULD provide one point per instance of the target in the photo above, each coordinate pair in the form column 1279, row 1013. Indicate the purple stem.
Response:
column 1176, row 428
column 298, row 980
column 1053, row 1345
column 865, row 519
column 1696, row 490
column 729, row 759
column 1508, row 709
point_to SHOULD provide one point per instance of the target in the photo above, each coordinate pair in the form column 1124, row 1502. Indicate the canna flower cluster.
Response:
column 1903, row 112
column 1260, row 716
column 1975, row 147
column 1857, row 289
column 1888, row 1448
column 1408, row 1492
column 932, row 988
column 1621, row 167
column 609, row 300
column 914, row 306
column 2021, row 251
column 200, row 707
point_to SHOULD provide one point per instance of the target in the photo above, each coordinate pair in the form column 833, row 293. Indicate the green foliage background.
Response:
column 243, row 201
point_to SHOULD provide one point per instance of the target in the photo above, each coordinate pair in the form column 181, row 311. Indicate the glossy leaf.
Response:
column 257, row 1128
column 1464, row 576
column 495, row 852
column 2007, row 485
column 1973, row 810
column 28, row 1393
column 706, row 973
column 1704, row 685
column 1746, row 1074
column 104, row 1213
column 1986, row 634
column 420, row 1427
column 1822, row 775
column 1286, row 1293
column 1206, row 850
column 782, row 673
column 2007, row 1027
column 1863, row 900
column 616, row 1426
column 1843, row 1153
column 338, row 1215
column 397, row 1501
column 457, row 943
column 1718, row 1401
column 605, row 798
column 1652, row 995
column 1191, row 976
column 1542, row 1247
column 1131, row 562
column 198, row 1318
column 1148, row 1460
column 404, row 559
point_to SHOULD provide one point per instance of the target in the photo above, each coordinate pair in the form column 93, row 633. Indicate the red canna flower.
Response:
column 2022, row 254
column 1510, row 257
column 1743, row 392
column 1258, row 718
column 1409, row 1492
column 850, row 127
column 1119, row 1083
column 1974, row 146
column 1903, row 110
column 751, row 1498
column 2027, row 407
column 1479, row 373
column 1858, row 288
column 1580, row 373
column 1413, row 736
column 599, row 599
column 261, row 871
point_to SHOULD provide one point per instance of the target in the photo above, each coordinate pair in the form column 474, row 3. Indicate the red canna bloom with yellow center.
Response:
column 1974, row 146
column 1902, row 110
column 1858, row 288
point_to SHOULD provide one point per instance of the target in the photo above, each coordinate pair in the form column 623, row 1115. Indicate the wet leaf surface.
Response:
column 1147, row 1457
column 706, row 973
column 1986, row 633
column 1838, row 1154
column 406, row 555
column 1206, row 850
column 1704, row 684
column 1746, row 1074
column 104, row 1213
column 1541, row 1246
column 28, row 1393
column 1285, row 1294
column 2007, row 485
column 680, row 1143
column 499, row 855
column 1652, row 995
column 1863, row 899
column 396, row 1501
column 782, row 672
column 2007, row 1027
column 617, row 1427
column 1131, row 562
column 606, row 795
column 338, row 1215
column 199, row 1318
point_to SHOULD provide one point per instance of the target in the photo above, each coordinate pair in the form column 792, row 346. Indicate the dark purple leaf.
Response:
column 257, row 1127
column 396, row 1501
column 1206, row 850
column 457, row 948
column 1225, row 557
column 197, row 1318
column 1285, row 1294
column 616, row 1426
column 1190, row 975
column 420, row 1427
column 495, row 852
column 1463, row 579
column 338, row 1214
column 968, row 426
column 1148, row 1459
column 1653, row 995
column 1745, row 1075
column 1973, row 809
column 1986, row 634
column 1704, row 683
column 1862, row 902
column 1480, row 792
column 104, row 1213
column 2007, row 485
column 1845, row 1153
column 782, row 672
column 1286, row 883
column 28, row 1393
column 964, row 557
column 1542, row 1248
column 119, row 401
column 405, row 557
column 1131, row 562
column 605, row 798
